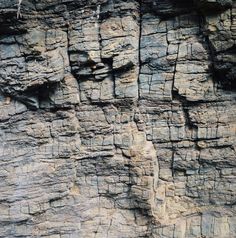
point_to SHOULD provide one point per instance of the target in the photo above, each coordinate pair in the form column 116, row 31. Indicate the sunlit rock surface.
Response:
column 117, row 119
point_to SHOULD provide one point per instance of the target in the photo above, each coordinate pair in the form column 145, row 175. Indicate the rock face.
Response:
column 118, row 118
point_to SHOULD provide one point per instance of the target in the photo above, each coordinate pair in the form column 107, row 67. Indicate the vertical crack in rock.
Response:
column 139, row 45
column 173, row 89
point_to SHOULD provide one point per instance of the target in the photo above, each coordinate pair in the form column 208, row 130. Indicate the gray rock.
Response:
column 117, row 119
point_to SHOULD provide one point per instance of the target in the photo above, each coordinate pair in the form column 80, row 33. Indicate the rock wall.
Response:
column 117, row 118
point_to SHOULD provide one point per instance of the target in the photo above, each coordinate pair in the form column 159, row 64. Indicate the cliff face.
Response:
column 117, row 118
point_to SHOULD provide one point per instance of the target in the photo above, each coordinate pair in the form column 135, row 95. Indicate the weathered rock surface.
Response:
column 118, row 118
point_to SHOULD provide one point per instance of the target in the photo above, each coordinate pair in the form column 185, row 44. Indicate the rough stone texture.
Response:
column 118, row 119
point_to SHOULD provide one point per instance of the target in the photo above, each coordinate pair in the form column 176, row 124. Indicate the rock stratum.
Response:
column 117, row 118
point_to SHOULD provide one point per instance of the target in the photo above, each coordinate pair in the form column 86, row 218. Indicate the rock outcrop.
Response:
column 118, row 118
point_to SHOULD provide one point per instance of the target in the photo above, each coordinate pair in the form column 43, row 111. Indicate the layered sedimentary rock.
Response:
column 117, row 118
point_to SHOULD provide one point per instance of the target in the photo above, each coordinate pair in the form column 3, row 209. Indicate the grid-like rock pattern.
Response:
column 118, row 119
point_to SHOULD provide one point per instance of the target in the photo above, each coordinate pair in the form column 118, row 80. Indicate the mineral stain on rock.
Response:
column 117, row 118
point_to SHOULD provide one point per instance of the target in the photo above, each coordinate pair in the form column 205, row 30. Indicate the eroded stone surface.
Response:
column 117, row 119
